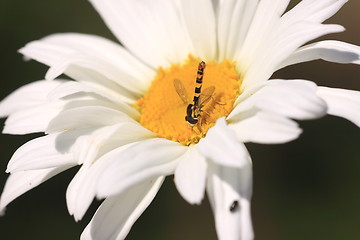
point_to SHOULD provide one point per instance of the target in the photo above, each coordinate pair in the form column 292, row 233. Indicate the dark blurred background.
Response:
column 306, row 189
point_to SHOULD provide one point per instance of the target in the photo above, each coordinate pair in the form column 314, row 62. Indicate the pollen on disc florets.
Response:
column 163, row 111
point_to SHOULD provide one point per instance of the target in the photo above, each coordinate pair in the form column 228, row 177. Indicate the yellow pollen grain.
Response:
column 163, row 111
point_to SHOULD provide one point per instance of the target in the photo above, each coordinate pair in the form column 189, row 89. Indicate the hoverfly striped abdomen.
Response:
column 199, row 81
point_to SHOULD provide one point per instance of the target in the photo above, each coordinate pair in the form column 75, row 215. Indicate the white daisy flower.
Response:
column 123, row 117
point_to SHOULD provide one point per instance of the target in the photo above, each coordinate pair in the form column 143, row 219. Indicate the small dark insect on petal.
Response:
column 234, row 206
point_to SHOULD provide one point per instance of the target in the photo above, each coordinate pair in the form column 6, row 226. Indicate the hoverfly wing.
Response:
column 181, row 91
column 206, row 95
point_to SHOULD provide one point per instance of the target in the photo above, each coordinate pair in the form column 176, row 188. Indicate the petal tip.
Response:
column 2, row 207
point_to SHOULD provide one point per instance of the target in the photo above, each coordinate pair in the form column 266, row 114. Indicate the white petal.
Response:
column 267, row 13
column 298, row 26
column 154, row 41
column 81, row 67
column 284, row 42
column 100, row 66
column 116, row 215
column 34, row 119
column 105, row 139
column 65, row 141
column 296, row 36
column 57, row 48
column 329, row 50
column 266, row 128
column 342, row 103
column 199, row 18
column 272, row 37
column 81, row 94
column 222, row 146
column 81, row 192
column 81, row 100
column 27, row 96
column 85, row 117
column 234, row 19
column 190, row 176
column 263, row 24
column 69, row 88
column 313, row 10
column 82, row 189
column 102, row 84
column 90, row 145
column 105, row 49
column 295, row 99
column 229, row 191
column 39, row 153
column 131, row 165
column 20, row 182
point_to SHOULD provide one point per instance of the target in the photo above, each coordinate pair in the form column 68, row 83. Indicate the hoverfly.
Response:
column 193, row 110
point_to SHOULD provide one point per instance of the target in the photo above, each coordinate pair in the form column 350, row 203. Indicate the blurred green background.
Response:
column 306, row 189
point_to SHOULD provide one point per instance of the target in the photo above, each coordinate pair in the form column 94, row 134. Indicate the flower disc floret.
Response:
column 163, row 111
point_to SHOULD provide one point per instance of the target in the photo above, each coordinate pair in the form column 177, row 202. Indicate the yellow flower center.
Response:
column 164, row 107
